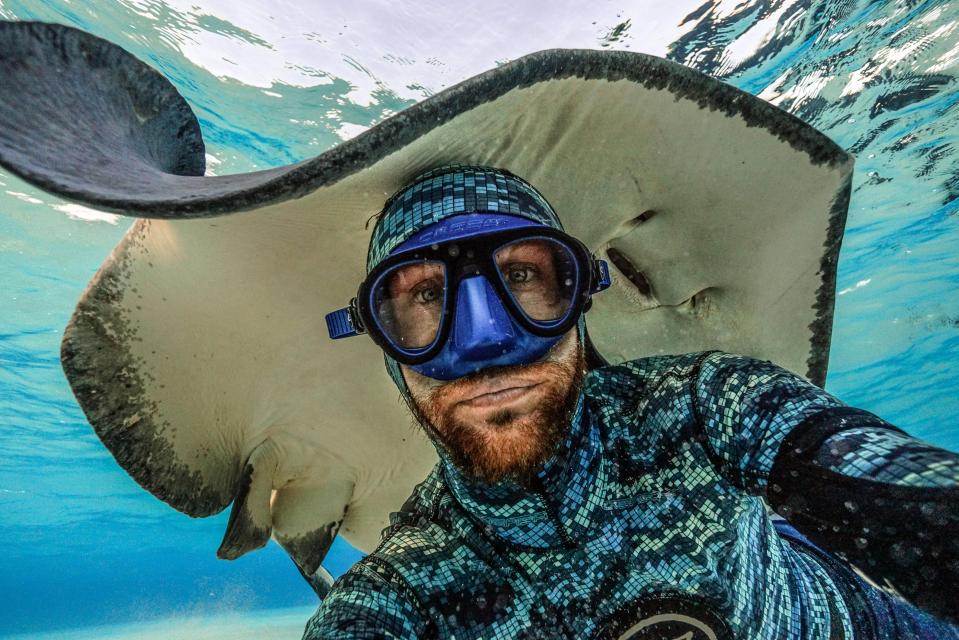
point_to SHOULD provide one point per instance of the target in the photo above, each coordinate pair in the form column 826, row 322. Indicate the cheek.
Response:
column 419, row 385
column 424, row 391
column 565, row 350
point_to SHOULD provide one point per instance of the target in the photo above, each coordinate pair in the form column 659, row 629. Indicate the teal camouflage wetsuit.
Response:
column 650, row 523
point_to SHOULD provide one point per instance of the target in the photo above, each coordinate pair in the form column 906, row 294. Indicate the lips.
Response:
column 497, row 385
column 502, row 395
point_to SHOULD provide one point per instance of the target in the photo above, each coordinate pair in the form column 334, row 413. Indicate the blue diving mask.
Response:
column 474, row 291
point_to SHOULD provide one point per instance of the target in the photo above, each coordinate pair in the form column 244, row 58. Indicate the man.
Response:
column 626, row 502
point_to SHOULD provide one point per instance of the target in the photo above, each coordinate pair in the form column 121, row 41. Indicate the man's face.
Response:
column 503, row 421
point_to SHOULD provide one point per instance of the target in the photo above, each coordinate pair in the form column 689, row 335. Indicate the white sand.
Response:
column 272, row 624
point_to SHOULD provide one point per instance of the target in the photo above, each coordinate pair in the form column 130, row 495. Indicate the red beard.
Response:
column 507, row 445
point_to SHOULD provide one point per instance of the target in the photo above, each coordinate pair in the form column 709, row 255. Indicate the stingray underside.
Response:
column 199, row 354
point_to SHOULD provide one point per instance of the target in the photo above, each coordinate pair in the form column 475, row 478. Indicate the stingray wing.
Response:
column 172, row 351
column 199, row 351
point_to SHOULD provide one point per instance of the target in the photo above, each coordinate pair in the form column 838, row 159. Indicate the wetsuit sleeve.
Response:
column 850, row 481
column 885, row 501
column 368, row 602
column 746, row 408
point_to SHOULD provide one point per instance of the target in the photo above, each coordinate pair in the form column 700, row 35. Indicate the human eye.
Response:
column 427, row 292
column 519, row 273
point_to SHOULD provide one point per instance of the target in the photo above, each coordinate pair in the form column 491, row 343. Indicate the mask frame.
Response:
column 465, row 257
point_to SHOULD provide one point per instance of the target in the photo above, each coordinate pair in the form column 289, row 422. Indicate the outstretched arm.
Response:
column 886, row 501
column 850, row 481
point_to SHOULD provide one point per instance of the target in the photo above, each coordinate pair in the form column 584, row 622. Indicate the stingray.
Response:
column 199, row 353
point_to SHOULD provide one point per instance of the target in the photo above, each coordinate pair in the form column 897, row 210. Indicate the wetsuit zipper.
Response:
column 536, row 484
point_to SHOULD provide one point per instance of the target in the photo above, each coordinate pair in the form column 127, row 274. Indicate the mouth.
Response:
column 493, row 394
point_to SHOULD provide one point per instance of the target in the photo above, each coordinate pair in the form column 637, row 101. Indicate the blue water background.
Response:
column 273, row 83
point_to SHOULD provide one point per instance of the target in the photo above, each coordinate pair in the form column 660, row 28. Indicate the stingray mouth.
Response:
column 699, row 304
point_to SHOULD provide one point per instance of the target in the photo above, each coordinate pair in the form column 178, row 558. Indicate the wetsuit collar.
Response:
column 557, row 507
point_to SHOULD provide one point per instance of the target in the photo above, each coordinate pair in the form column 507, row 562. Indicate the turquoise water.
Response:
column 89, row 553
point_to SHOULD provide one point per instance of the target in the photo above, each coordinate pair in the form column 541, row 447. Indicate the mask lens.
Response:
column 408, row 302
column 542, row 276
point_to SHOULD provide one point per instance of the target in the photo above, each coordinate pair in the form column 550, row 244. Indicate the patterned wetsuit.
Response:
column 647, row 524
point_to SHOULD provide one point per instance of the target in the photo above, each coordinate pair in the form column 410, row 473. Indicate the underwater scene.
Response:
column 88, row 553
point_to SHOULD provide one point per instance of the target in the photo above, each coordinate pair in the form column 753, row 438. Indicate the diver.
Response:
column 618, row 501
column 628, row 501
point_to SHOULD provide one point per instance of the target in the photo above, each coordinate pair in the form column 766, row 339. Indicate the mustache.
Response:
column 462, row 384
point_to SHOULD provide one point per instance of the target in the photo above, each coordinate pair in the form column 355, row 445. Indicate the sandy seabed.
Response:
column 272, row 624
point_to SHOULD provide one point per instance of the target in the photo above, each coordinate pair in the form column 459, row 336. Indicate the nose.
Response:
column 481, row 328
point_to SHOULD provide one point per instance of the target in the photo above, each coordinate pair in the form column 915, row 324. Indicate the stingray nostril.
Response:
column 700, row 303
column 643, row 217
column 628, row 269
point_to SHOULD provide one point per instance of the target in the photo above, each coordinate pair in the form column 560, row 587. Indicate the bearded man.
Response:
column 626, row 502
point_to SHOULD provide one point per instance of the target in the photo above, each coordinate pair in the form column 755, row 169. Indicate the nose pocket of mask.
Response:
column 482, row 327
